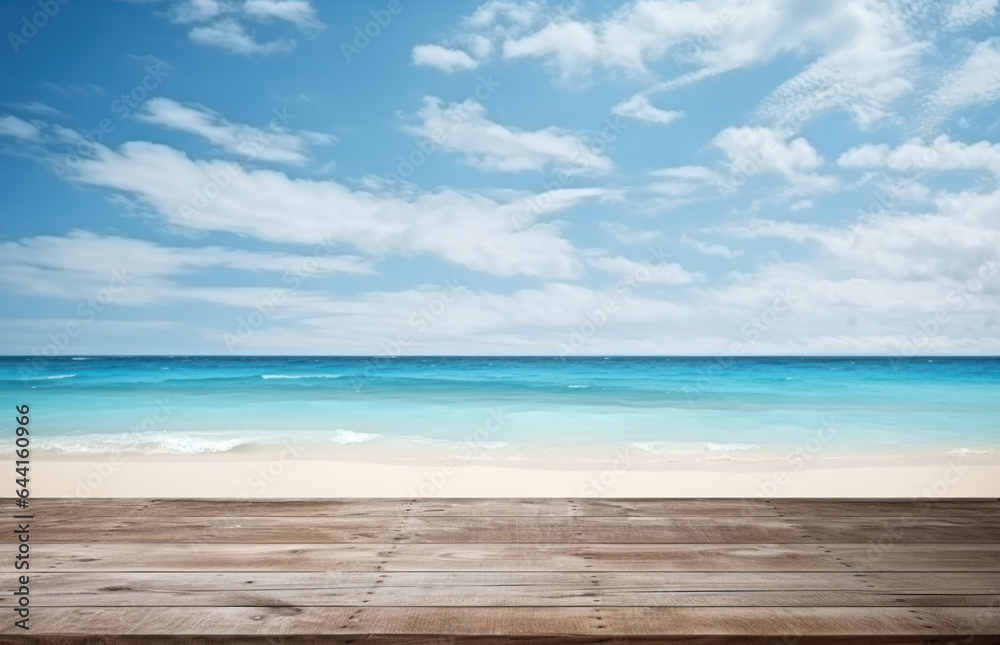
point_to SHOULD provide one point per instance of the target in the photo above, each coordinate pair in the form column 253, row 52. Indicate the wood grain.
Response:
column 403, row 572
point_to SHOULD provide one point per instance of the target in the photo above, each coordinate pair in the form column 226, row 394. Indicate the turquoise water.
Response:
column 509, row 407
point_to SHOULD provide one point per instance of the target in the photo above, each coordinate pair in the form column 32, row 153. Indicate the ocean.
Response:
column 509, row 408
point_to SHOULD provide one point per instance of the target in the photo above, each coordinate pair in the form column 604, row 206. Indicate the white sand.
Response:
column 234, row 476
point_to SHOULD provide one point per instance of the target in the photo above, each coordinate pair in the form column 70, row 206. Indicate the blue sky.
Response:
column 716, row 177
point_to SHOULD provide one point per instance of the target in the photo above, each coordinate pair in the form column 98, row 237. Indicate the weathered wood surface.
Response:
column 514, row 589
column 142, row 557
column 520, row 621
column 507, row 507
column 490, row 570
column 522, row 530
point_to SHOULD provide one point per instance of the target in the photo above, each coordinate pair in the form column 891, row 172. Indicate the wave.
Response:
column 345, row 437
column 578, row 386
column 46, row 378
column 451, row 444
column 970, row 451
column 668, row 448
column 159, row 443
column 301, row 376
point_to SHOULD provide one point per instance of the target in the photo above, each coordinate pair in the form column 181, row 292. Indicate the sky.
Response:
column 397, row 177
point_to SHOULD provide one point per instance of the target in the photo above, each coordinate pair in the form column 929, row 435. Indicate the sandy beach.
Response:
column 231, row 475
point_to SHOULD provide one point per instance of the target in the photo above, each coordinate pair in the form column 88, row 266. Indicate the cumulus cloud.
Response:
column 276, row 143
column 754, row 150
column 941, row 154
column 465, row 129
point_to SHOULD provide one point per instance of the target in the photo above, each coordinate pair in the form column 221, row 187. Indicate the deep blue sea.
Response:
column 509, row 407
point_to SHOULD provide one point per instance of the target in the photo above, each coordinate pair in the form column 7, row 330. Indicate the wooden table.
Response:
column 512, row 570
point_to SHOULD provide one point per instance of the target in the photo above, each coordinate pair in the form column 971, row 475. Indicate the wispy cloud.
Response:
column 465, row 129
column 276, row 143
column 976, row 81
column 639, row 108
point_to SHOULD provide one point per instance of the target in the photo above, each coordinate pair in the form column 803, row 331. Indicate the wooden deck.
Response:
column 771, row 572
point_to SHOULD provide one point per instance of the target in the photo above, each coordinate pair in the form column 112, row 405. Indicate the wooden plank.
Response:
column 496, row 589
column 856, row 558
column 452, row 639
column 499, row 507
column 430, row 530
column 520, row 621
column 409, row 571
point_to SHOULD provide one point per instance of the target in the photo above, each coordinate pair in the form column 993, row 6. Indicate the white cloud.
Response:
column 963, row 13
column 188, row 11
column 34, row 107
column 464, row 128
column 298, row 12
column 483, row 234
column 11, row 126
column 274, row 144
column 231, row 36
column 863, row 47
column 81, row 262
column 711, row 249
column 657, row 272
column 223, row 23
column 915, row 154
column 976, row 81
column 754, row 150
column 639, row 108
column 444, row 59
column 938, row 248
column 684, row 180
